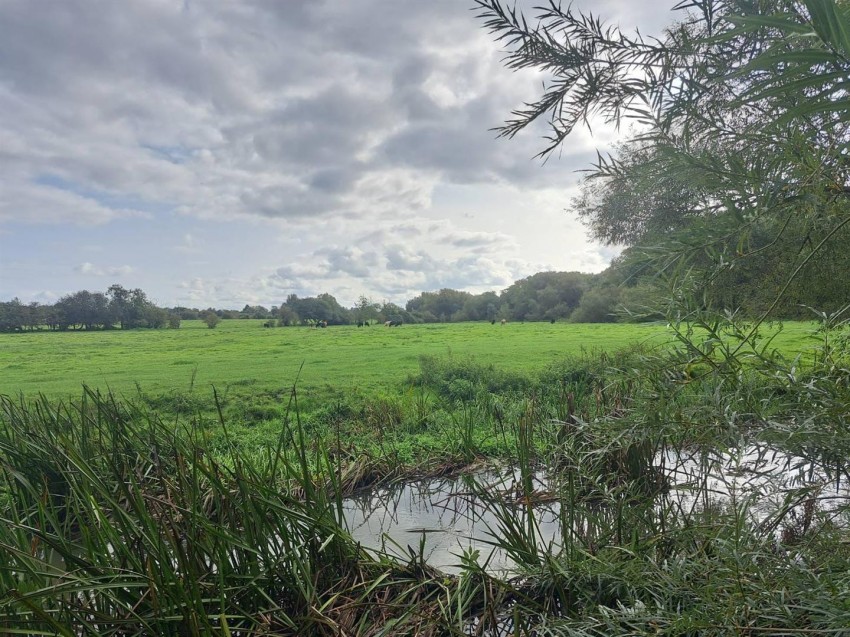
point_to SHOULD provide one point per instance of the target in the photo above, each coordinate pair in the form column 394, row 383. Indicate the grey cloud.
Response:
column 333, row 180
column 476, row 239
column 51, row 205
column 329, row 263
column 274, row 109
column 330, row 122
column 349, row 261
column 401, row 258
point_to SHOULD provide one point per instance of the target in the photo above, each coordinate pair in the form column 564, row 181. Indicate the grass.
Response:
column 245, row 358
column 170, row 507
column 117, row 521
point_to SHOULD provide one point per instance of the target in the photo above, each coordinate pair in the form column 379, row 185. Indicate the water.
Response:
column 445, row 517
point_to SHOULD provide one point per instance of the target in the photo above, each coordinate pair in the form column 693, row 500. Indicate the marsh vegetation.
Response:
column 656, row 491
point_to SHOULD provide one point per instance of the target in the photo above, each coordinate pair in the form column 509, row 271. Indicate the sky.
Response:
column 219, row 153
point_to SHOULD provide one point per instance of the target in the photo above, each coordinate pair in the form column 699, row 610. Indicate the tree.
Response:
column 121, row 305
column 287, row 316
column 366, row 310
column 743, row 102
column 255, row 312
column 85, row 309
column 544, row 296
column 598, row 305
column 480, row 307
column 445, row 304
column 323, row 307
column 636, row 199
column 11, row 316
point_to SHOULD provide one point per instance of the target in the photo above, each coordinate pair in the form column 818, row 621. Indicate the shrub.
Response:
column 211, row 319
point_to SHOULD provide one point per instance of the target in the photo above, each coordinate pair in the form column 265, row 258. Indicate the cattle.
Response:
column 504, row 321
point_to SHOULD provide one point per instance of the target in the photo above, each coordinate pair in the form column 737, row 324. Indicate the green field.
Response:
column 242, row 354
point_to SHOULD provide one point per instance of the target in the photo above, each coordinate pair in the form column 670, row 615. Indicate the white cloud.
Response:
column 91, row 269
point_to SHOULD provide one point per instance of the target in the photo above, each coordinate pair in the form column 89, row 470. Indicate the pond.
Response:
column 446, row 517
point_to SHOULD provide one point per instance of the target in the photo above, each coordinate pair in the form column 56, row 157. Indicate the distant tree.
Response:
column 173, row 321
column 255, row 312
column 36, row 315
column 121, row 305
column 479, row 307
column 133, row 309
column 544, row 296
column 365, row 310
column 598, row 305
column 323, row 307
column 211, row 318
column 445, row 304
column 287, row 316
column 392, row 312
column 11, row 316
column 154, row 317
column 85, row 309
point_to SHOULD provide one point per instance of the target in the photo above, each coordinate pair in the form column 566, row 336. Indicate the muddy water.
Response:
column 445, row 518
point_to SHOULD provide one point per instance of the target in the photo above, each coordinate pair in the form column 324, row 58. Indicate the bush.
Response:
column 211, row 319
column 464, row 379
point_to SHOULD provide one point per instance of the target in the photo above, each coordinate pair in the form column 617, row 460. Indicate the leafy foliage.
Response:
column 743, row 116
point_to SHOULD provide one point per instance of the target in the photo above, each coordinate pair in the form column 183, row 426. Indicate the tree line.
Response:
column 630, row 290
column 541, row 297
column 117, row 307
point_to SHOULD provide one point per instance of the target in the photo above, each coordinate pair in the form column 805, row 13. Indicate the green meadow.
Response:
column 241, row 354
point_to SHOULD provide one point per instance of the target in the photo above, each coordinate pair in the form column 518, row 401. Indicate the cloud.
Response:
column 255, row 109
column 190, row 244
column 332, row 125
column 93, row 270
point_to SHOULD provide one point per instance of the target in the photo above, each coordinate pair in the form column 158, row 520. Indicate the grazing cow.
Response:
column 492, row 321
column 504, row 321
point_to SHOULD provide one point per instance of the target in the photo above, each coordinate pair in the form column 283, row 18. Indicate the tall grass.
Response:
column 117, row 523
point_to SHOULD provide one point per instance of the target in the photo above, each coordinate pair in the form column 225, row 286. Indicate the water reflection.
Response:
column 446, row 517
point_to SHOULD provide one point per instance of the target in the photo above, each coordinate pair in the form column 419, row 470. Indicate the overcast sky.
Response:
column 218, row 153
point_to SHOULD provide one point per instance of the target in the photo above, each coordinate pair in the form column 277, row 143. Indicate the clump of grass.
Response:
column 464, row 379
column 116, row 523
